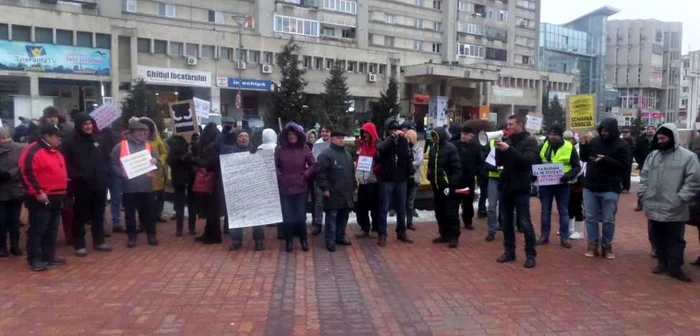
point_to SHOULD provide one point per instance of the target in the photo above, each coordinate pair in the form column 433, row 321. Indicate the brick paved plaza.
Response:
column 183, row 288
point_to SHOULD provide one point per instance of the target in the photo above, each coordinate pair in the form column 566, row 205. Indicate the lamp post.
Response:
column 240, row 21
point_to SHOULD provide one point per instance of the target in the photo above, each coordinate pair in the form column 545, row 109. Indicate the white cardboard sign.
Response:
column 202, row 108
column 364, row 163
column 548, row 173
column 105, row 115
column 137, row 164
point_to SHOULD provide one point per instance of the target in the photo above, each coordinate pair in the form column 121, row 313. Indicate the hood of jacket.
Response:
column 298, row 130
column 441, row 135
column 269, row 137
column 391, row 124
column 455, row 132
column 151, row 126
column 79, row 120
column 370, row 129
column 674, row 130
column 611, row 125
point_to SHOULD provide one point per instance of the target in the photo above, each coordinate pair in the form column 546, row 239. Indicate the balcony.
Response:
column 301, row 3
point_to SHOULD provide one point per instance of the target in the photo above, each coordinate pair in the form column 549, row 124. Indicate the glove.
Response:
column 253, row 150
column 446, row 191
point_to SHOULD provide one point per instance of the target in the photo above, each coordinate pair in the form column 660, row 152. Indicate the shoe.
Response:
column 38, row 266
column 56, row 261
column 172, row 218
column 289, row 246
column 363, row 234
column 193, row 233
column 592, row 250
column 411, row 227
column 131, row 242
column 81, row 253
column 305, row 245
column 4, row 253
column 212, row 241
column 565, row 243
column 381, row 241
column 16, row 251
column 178, row 234
column 259, row 245
column 490, row 237
column 543, row 241
column 235, row 245
column 482, row 214
column 161, row 220
column 521, row 230
column 625, row 191
column 530, row 262
column 330, row 247
column 678, row 273
column 659, row 269
column 653, row 253
column 454, row 243
column 404, row 239
column 506, row 257
column 104, row 247
column 118, row 229
column 153, row 241
column 576, row 236
column 469, row 227
column 696, row 262
column 607, row 253
column 316, row 231
column 440, row 240
column 344, row 242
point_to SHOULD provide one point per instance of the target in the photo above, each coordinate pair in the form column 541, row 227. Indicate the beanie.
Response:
column 556, row 129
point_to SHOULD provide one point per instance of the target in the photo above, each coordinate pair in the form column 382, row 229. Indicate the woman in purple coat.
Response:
column 295, row 169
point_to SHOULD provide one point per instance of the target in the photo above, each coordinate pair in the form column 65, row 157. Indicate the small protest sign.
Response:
column 182, row 113
column 202, row 108
column 534, row 123
column 105, row 115
column 137, row 164
column 548, row 173
column 364, row 163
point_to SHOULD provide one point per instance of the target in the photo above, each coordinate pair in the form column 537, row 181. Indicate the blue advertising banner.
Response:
column 244, row 84
column 41, row 57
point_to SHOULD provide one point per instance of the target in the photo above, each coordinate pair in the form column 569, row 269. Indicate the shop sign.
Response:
column 41, row 57
column 244, row 84
column 183, row 77
column 421, row 99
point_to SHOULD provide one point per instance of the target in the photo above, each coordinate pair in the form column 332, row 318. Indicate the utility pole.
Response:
column 240, row 21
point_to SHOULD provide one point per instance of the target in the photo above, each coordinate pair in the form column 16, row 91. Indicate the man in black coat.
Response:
column 516, row 154
column 445, row 174
column 87, row 165
column 471, row 162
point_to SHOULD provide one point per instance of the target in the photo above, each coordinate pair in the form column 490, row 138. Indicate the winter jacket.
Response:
column 670, row 180
column 320, row 146
column 395, row 160
column 295, row 164
column 336, row 174
column 10, row 178
column 43, row 169
column 110, row 138
column 470, row 160
column 606, row 175
column 642, row 149
column 417, row 162
column 550, row 150
column 160, row 176
column 269, row 139
column 180, row 161
column 139, row 184
column 86, row 159
column 368, row 149
column 210, row 205
column 517, row 161
column 444, row 167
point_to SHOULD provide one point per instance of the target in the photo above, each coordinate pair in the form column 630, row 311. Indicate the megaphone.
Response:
column 486, row 137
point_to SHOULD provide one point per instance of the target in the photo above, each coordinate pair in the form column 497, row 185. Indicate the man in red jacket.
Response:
column 45, row 178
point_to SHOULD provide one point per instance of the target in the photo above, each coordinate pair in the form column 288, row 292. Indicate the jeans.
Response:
column 447, row 214
column 42, row 232
column 669, row 242
column 143, row 203
column 560, row 192
column 89, row 207
column 9, row 223
column 484, row 182
column 492, row 212
column 318, row 207
column 294, row 216
column 601, row 207
column 368, row 202
column 184, row 195
column 158, row 204
column 392, row 194
column 336, row 221
column 115, row 191
column 411, row 187
column 519, row 203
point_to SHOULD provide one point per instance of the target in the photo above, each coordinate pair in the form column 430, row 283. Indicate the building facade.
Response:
column 479, row 56
column 643, row 63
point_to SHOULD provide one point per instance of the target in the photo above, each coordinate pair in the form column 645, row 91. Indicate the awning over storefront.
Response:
column 454, row 74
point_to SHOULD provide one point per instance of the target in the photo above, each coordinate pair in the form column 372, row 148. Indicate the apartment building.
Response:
column 643, row 63
column 479, row 56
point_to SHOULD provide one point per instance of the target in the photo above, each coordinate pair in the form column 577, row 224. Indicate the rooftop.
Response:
column 605, row 10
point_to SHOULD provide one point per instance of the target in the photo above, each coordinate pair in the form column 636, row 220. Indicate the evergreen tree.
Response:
column 141, row 103
column 388, row 106
column 553, row 114
column 335, row 100
column 288, row 101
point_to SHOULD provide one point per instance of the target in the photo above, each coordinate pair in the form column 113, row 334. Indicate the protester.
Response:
column 137, row 192
column 87, row 163
column 11, row 193
column 368, row 193
column 414, row 182
column 227, row 136
column 269, row 142
column 321, row 144
column 20, row 132
column 517, row 153
column 45, row 178
column 160, row 175
column 493, row 218
column 471, row 161
column 428, row 141
column 336, row 179
column 642, row 148
column 694, row 208
column 311, row 137
column 627, row 178
column 395, row 168
column 576, row 196
column 607, row 156
column 180, row 161
column 445, row 174
column 295, row 170
column 206, row 185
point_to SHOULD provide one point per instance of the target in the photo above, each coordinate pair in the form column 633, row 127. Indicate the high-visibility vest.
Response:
column 124, row 151
column 563, row 155
column 493, row 174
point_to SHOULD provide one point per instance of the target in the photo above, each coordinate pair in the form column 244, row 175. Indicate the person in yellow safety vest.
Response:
column 557, row 151
column 493, row 218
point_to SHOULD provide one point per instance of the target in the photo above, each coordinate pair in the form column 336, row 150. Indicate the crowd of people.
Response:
column 62, row 171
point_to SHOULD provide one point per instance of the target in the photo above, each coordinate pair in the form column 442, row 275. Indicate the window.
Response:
column 363, row 68
column 352, row 66
column 437, row 4
column 437, row 47
column 341, row 64
column 470, row 28
column 318, row 63
column 420, row 3
column 143, row 45
column 225, row 53
column 329, row 63
column 502, row 15
column 349, row 33
column 327, row 32
column 524, row 41
column 496, row 54
column 418, row 45
column 241, row 55
column 84, row 39
column 468, row 50
column 308, row 60
column 191, row 49
column 129, row 6
column 437, row 26
column 527, row 4
column 166, row 9
column 21, row 33
column 389, row 41
column 344, row 6
column 382, row 69
column 390, row 18
column 418, row 23
column 525, row 60
column 524, row 23
column 4, row 31
column 208, row 51
column 176, row 48
column 684, row 102
column 296, row 26
column 685, row 89
column 160, row 47
column 254, row 56
column 216, row 17
column 103, row 41
column 372, row 68
column 268, row 57
column 64, row 37
column 43, row 35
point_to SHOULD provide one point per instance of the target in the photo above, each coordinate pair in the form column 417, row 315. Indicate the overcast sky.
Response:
column 686, row 11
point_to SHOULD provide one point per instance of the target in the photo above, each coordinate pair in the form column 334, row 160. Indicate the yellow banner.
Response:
column 582, row 111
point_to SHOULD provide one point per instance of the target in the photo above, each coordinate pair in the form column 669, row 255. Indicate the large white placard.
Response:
column 548, row 173
column 105, row 115
column 250, row 188
column 201, row 108
column 137, row 164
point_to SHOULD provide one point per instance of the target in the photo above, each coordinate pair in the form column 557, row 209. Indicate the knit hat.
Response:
column 556, row 129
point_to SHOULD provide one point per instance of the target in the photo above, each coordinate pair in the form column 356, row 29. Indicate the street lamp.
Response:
column 240, row 21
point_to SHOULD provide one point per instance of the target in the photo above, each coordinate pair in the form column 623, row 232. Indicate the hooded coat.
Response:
column 139, row 184
column 517, row 161
column 295, row 164
column 444, row 167
column 670, row 180
column 269, row 139
column 606, row 174
column 336, row 175
column 180, row 162
column 470, row 159
column 395, row 157
column 87, row 161
column 368, row 148
column 160, row 176
column 11, row 187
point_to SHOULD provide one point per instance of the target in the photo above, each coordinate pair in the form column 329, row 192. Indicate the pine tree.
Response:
column 553, row 114
column 388, row 105
column 288, row 99
column 335, row 100
column 141, row 103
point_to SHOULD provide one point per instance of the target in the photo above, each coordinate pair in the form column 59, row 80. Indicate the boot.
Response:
column 235, row 245
column 259, row 245
column 4, row 253
column 16, row 251
column 38, row 266
column 289, row 246
column 592, row 250
column 381, row 241
column 677, row 272
column 454, row 242
column 578, row 231
column 404, row 238
column 131, row 242
column 608, row 253
column 305, row 245
column 152, row 240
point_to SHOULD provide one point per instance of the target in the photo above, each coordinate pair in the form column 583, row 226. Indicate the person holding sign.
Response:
column 556, row 150
column 368, row 190
column 444, row 173
column 516, row 154
column 137, row 190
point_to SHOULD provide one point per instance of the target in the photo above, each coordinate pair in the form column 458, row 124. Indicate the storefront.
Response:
column 254, row 94
column 170, row 85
